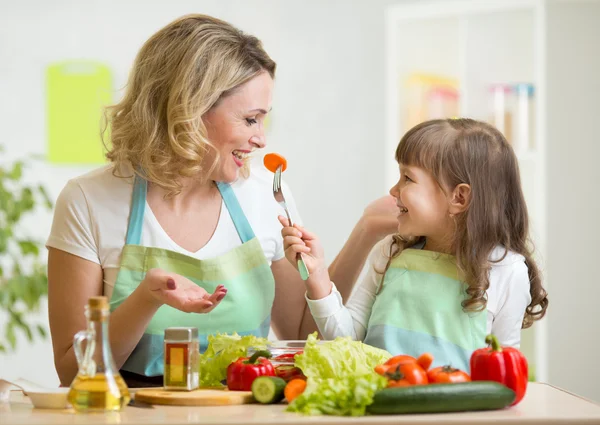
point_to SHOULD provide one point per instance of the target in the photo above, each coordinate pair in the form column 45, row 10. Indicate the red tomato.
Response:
column 447, row 374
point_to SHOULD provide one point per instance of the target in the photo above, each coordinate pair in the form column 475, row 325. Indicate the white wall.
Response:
column 327, row 115
column 573, row 206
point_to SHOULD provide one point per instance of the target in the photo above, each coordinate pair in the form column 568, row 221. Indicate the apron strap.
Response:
column 138, row 205
column 236, row 213
column 136, row 216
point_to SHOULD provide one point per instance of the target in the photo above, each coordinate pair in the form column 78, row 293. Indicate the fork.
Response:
column 278, row 194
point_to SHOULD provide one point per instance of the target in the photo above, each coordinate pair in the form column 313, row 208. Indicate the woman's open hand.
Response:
column 181, row 293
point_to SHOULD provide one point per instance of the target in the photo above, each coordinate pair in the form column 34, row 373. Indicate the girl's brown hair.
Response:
column 463, row 150
column 179, row 74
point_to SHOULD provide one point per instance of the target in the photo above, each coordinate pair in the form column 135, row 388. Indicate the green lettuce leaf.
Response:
column 341, row 380
column 221, row 351
column 338, row 358
column 347, row 396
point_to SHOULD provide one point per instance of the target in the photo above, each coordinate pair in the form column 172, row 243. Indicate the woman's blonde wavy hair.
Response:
column 459, row 151
column 179, row 74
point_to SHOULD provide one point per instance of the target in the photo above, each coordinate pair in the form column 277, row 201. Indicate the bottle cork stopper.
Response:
column 98, row 303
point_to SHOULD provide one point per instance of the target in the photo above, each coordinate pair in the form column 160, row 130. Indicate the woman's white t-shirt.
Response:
column 92, row 213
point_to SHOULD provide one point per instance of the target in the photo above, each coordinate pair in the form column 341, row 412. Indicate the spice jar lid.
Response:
column 181, row 334
column 98, row 303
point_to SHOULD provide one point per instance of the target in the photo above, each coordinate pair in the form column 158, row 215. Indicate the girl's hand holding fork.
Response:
column 298, row 240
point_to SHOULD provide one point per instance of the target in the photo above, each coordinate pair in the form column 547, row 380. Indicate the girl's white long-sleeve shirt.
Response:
column 507, row 298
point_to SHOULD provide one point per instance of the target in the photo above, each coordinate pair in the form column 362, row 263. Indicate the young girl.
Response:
column 459, row 267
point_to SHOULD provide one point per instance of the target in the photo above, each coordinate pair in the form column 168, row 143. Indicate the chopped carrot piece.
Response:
column 425, row 360
column 381, row 369
column 293, row 389
column 274, row 160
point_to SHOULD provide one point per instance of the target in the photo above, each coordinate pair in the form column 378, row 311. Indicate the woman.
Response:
column 178, row 223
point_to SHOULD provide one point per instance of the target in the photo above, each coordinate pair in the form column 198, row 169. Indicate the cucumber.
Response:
column 437, row 398
column 268, row 389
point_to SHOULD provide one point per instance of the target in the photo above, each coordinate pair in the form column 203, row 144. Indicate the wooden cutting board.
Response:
column 202, row 397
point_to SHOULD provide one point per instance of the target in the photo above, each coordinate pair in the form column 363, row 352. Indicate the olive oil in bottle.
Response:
column 98, row 386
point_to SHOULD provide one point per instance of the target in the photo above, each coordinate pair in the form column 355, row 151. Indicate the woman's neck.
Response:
column 192, row 192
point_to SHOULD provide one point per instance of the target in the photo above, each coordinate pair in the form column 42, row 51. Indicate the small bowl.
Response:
column 283, row 352
column 55, row 398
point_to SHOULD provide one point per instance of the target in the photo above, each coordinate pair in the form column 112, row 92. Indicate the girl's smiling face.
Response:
column 424, row 207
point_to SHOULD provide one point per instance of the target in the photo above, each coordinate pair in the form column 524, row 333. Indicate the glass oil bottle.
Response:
column 98, row 386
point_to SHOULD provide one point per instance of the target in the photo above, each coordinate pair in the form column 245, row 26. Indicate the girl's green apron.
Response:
column 419, row 310
column 244, row 271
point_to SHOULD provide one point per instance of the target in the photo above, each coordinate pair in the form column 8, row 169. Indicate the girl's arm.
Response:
column 508, row 297
column 291, row 316
column 324, row 300
column 334, row 319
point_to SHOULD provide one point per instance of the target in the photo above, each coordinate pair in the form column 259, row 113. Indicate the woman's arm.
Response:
column 379, row 220
column 290, row 316
column 73, row 280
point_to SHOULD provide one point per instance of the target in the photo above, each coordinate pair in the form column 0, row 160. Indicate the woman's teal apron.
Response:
column 419, row 310
column 244, row 271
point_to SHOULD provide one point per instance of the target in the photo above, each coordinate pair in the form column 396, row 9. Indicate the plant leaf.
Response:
column 23, row 278
column 28, row 247
column 10, row 335
column 45, row 196
column 41, row 330
column 17, row 171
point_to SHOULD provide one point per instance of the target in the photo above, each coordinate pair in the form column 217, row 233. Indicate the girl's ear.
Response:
column 460, row 199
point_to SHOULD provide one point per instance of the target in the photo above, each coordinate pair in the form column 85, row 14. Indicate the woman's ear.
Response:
column 460, row 199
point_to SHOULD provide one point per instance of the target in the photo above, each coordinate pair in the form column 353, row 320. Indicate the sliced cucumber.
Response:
column 437, row 398
column 268, row 389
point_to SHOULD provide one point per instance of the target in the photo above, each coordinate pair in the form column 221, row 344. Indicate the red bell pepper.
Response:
column 506, row 365
column 242, row 372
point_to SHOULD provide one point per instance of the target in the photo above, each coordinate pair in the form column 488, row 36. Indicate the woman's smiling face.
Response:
column 235, row 126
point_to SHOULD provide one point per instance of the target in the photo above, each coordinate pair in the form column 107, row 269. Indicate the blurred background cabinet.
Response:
column 524, row 66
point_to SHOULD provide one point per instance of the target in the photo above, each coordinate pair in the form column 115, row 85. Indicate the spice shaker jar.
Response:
column 182, row 350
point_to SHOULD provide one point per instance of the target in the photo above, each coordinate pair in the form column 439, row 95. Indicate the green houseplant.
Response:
column 23, row 278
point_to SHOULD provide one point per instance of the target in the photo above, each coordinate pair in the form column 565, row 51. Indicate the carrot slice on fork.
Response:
column 274, row 160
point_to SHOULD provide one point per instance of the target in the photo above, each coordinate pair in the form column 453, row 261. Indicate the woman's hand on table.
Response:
column 180, row 293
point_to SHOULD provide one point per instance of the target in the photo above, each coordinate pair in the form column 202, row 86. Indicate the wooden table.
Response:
column 542, row 405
